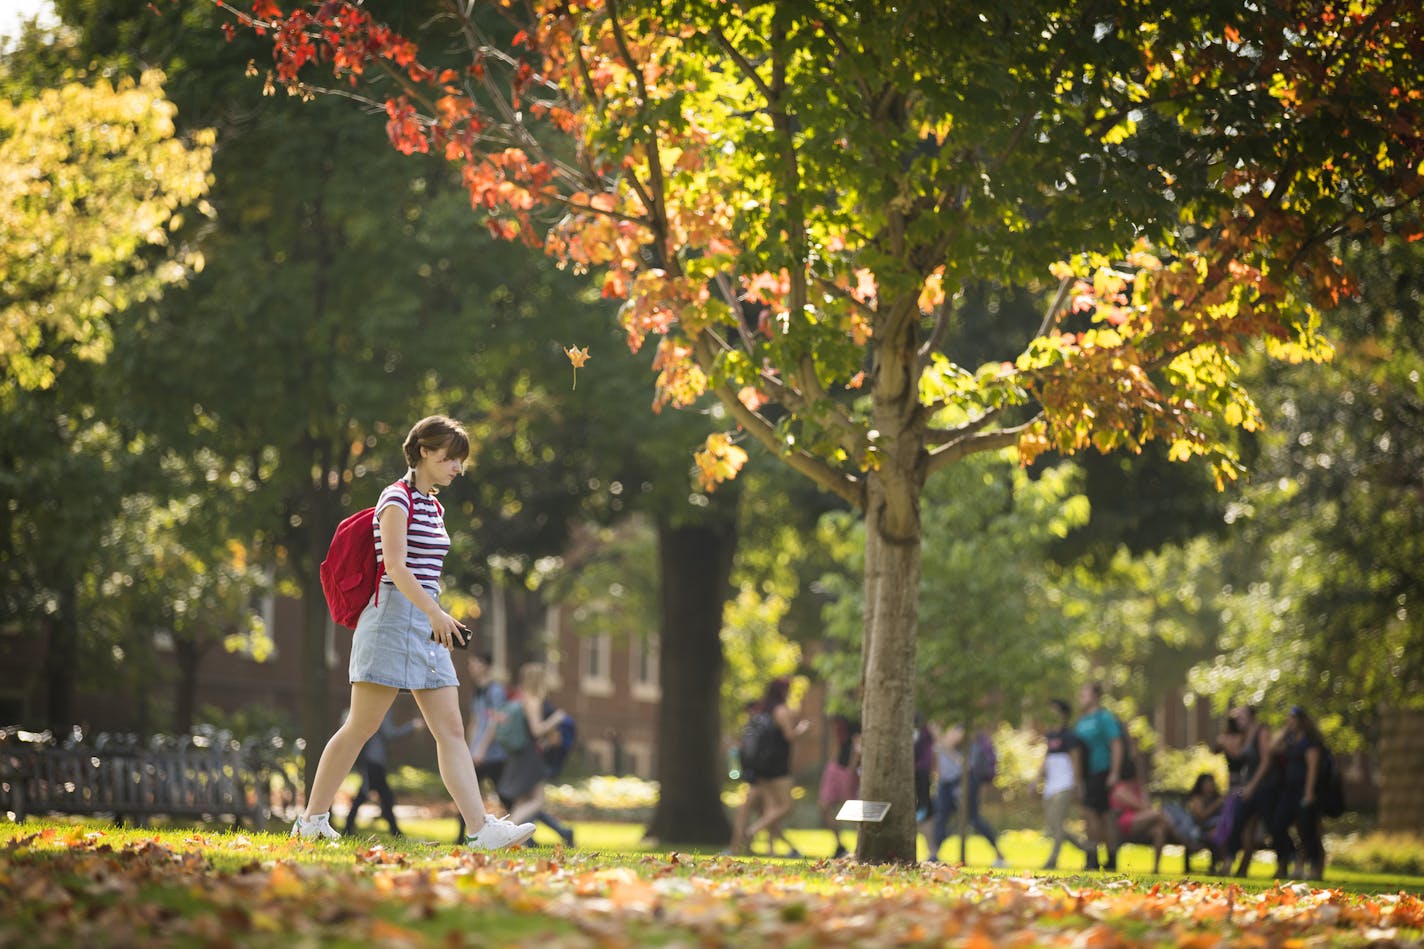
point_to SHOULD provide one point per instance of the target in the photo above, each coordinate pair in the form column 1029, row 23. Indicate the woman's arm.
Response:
column 785, row 721
column 539, row 726
column 393, row 551
column 1201, row 809
column 1129, row 796
column 1312, row 769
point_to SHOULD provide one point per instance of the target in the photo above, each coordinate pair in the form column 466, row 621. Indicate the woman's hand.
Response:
column 445, row 629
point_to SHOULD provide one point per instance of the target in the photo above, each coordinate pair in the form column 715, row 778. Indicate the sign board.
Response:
column 862, row 812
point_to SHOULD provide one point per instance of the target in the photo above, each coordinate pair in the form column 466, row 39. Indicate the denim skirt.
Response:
column 392, row 646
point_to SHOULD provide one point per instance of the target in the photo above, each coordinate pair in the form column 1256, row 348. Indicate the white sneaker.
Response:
column 318, row 826
column 499, row 832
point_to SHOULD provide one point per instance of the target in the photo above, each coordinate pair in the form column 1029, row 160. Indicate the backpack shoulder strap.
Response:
column 409, row 500
column 410, row 496
column 409, row 518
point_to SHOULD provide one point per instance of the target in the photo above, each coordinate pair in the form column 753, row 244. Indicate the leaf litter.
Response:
column 74, row 888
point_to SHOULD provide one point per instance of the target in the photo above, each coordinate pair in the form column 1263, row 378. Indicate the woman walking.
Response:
column 526, row 772
column 771, row 776
column 404, row 638
column 1301, row 751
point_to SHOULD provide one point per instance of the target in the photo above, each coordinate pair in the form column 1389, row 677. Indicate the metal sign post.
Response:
column 863, row 812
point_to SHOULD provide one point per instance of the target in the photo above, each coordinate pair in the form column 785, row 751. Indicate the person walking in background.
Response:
column 487, row 701
column 1301, row 749
column 1247, row 747
column 1059, row 776
column 403, row 640
column 766, row 763
column 949, row 771
column 923, row 750
column 746, row 749
column 981, row 768
column 840, row 779
column 1101, row 738
column 374, row 761
column 526, row 772
column 555, row 748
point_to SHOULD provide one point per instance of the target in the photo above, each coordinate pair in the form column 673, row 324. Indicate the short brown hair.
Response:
column 436, row 432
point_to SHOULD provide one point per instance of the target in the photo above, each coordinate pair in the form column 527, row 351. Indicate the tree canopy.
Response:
column 93, row 180
column 790, row 198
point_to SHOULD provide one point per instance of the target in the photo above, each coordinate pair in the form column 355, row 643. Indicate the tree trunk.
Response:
column 62, row 662
column 525, row 622
column 1401, row 771
column 892, row 589
column 696, row 563
column 321, row 509
column 888, row 676
column 185, row 707
column 316, row 694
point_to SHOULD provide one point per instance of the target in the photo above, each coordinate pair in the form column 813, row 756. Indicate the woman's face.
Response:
column 443, row 469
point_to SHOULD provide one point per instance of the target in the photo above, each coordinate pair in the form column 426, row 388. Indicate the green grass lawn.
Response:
column 1023, row 850
column 68, row 883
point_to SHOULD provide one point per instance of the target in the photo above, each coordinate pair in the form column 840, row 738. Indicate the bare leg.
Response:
column 529, row 805
column 441, row 708
column 778, row 805
column 369, row 704
column 828, row 821
column 1249, row 833
column 741, row 842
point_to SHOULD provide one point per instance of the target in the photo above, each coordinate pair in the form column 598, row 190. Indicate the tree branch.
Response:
column 742, row 63
column 845, row 486
column 657, row 184
column 940, row 436
column 962, row 448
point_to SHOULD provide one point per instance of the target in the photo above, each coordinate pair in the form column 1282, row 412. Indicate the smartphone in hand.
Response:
column 461, row 638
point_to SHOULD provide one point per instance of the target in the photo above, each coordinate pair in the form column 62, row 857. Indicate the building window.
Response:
column 596, row 668
column 638, row 759
column 643, row 661
column 600, row 755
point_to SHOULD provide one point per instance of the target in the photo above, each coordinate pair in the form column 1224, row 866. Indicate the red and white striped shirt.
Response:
column 426, row 541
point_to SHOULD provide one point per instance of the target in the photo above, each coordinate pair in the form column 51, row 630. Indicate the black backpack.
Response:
column 757, row 749
column 1330, row 786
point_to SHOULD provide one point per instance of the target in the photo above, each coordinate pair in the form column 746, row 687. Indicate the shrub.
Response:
column 1175, row 769
column 604, row 797
column 1380, row 853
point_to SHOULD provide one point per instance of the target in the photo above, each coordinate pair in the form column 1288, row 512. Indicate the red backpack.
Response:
column 350, row 573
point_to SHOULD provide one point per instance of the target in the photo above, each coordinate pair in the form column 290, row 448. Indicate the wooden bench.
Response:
column 132, row 782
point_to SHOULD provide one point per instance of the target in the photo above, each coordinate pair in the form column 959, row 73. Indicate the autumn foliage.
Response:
column 68, row 887
column 1292, row 126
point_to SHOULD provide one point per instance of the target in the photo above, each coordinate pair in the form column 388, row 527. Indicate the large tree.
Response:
column 94, row 180
column 790, row 196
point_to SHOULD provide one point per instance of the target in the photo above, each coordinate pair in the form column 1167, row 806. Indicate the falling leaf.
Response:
column 578, row 357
